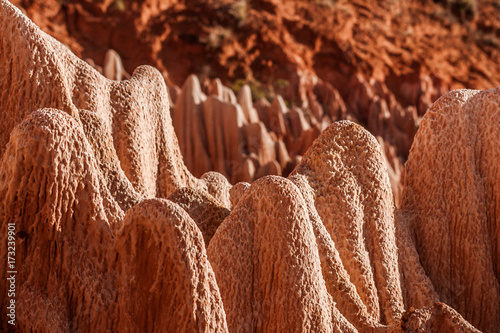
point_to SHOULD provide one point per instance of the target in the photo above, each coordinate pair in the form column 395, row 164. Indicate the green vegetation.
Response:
column 325, row 3
column 258, row 90
column 120, row 5
column 261, row 91
column 217, row 36
column 281, row 84
column 239, row 10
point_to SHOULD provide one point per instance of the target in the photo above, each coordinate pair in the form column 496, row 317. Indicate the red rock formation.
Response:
column 205, row 210
column 134, row 113
column 260, row 145
column 272, row 40
column 451, row 198
column 113, row 67
column 217, row 134
column 237, row 192
column 324, row 250
column 75, row 245
column 438, row 318
column 72, row 208
column 267, row 264
column 107, row 160
column 218, row 187
column 248, row 142
column 161, row 260
column 345, row 174
column 54, row 193
column 245, row 101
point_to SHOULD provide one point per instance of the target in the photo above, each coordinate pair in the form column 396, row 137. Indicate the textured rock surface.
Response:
column 345, row 176
column 161, row 260
column 451, row 196
column 39, row 72
column 111, row 146
column 52, row 190
column 267, row 265
column 438, row 318
column 76, row 246
column 205, row 210
column 237, row 192
column 86, row 160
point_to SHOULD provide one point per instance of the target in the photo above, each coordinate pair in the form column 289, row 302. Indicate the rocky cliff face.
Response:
column 87, row 165
column 400, row 43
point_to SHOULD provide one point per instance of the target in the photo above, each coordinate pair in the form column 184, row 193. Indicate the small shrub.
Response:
column 281, row 84
column 237, row 85
column 120, row 5
column 258, row 90
column 216, row 37
column 239, row 10
column 325, row 3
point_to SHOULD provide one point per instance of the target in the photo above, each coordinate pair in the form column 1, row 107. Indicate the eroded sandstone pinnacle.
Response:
column 118, row 235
